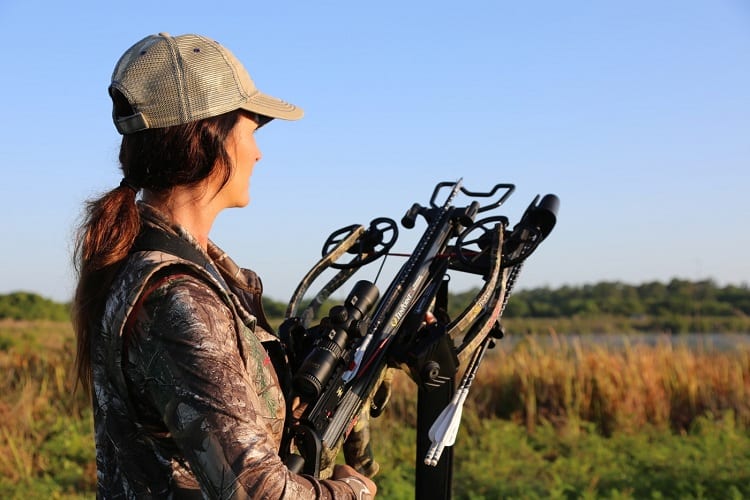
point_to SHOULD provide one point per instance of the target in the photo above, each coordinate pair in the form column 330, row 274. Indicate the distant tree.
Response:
column 30, row 306
column 516, row 308
column 273, row 308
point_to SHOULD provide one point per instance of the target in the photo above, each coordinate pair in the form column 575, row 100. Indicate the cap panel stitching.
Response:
column 179, row 80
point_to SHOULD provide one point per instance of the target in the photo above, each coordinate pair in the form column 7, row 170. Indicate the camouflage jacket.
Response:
column 187, row 403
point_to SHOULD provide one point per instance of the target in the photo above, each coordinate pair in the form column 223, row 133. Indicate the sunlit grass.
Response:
column 547, row 417
column 45, row 431
column 555, row 417
column 558, row 379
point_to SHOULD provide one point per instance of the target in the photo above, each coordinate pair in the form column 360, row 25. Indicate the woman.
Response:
column 185, row 375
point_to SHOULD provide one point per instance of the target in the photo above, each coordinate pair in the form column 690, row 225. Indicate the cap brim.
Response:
column 272, row 107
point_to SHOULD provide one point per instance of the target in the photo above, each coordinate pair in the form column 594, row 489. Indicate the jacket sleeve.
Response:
column 186, row 364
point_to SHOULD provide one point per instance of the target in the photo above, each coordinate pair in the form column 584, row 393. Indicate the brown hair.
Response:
column 153, row 159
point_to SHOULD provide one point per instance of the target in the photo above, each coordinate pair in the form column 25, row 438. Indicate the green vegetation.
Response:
column 45, row 431
column 26, row 305
column 679, row 297
column 563, row 419
column 611, row 307
column 498, row 459
column 548, row 417
column 608, row 307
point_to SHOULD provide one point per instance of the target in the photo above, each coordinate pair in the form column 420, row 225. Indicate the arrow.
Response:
column 445, row 428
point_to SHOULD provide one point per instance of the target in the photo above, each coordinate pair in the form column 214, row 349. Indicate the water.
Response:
column 693, row 341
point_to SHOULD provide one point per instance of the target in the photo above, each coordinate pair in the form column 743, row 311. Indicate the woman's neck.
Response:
column 188, row 207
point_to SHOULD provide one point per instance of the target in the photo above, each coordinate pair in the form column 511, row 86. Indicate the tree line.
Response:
column 677, row 297
column 654, row 299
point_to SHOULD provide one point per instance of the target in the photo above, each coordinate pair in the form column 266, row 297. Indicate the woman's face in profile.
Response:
column 244, row 154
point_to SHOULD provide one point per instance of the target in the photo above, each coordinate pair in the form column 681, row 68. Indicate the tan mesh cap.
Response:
column 176, row 80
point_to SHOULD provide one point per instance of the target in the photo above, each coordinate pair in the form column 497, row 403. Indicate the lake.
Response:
column 693, row 341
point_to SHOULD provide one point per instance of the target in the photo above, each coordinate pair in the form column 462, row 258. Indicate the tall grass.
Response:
column 563, row 380
column 45, row 431
column 535, row 402
column 556, row 417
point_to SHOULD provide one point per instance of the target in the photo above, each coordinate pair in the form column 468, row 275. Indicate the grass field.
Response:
column 552, row 419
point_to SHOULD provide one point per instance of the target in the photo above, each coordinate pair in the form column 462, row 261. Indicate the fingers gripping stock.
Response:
column 340, row 362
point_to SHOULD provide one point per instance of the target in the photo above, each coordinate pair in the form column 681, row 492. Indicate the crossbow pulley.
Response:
column 371, row 245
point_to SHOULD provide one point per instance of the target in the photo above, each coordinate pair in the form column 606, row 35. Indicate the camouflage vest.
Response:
column 138, row 272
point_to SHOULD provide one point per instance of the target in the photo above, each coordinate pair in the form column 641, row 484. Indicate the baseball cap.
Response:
column 177, row 80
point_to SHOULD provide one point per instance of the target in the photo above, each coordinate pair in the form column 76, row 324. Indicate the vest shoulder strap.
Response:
column 154, row 239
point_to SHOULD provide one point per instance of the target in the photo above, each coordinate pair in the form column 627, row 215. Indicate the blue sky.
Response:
column 635, row 113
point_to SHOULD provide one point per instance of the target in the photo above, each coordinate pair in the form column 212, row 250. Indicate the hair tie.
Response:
column 127, row 183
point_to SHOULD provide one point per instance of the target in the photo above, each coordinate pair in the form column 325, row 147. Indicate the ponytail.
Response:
column 110, row 226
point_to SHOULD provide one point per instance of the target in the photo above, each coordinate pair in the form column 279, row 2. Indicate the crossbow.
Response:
column 339, row 363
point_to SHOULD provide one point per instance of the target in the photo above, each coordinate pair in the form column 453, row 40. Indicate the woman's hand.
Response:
column 364, row 488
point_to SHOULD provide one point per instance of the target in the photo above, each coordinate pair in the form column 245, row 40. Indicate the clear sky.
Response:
column 635, row 113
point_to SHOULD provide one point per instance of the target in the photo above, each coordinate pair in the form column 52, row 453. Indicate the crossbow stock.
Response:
column 339, row 364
